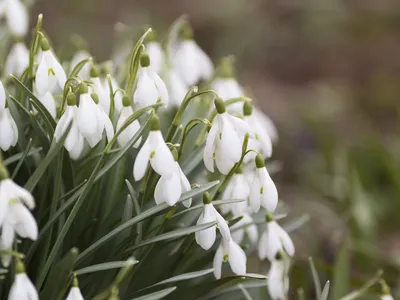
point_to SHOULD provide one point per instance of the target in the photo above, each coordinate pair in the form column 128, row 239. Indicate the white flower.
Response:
column 102, row 93
column 2, row 97
column 155, row 151
column 224, row 141
column 17, row 16
column 22, row 288
column 278, row 279
column 229, row 251
column 386, row 297
column 169, row 189
column 74, row 294
column 49, row 72
column 245, row 226
column 206, row 238
column 150, row 87
column 49, row 102
column 237, row 189
column 17, row 60
column 176, row 88
column 273, row 240
column 117, row 96
column 127, row 134
column 263, row 190
column 92, row 120
column 76, row 59
column 5, row 257
column 191, row 62
column 74, row 143
column 156, row 56
column 266, row 123
column 8, row 130
column 228, row 88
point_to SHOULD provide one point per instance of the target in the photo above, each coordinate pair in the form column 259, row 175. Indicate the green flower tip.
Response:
column 94, row 71
column 144, row 60
column 239, row 170
column 187, row 32
column 260, row 163
column 174, row 153
column 206, row 198
column 247, row 108
column 219, row 105
column 3, row 171
column 19, row 267
column 83, row 89
column 155, row 123
column 75, row 282
column 95, row 97
column 126, row 101
column 269, row 217
column 44, row 44
column 71, row 99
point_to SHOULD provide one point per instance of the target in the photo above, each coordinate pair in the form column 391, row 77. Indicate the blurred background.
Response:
column 328, row 73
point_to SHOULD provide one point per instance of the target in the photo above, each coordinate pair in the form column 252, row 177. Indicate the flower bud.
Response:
column 155, row 123
column 95, row 97
column 126, row 101
column 44, row 44
column 260, row 163
column 247, row 108
column 219, row 105
column 71, row 99
column 144, row 60
column 206, row 198
column 83, row 89
column 94, row 71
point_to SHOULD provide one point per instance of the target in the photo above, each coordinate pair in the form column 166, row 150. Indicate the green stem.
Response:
column 188, row 128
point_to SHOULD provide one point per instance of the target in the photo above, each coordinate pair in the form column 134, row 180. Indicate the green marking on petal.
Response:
column 226, row 257
column 152, row 154
column 220, row 135
column 261, row 190
column 50, row 71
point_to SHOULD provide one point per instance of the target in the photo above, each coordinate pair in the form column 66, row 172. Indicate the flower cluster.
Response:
column 89, row 114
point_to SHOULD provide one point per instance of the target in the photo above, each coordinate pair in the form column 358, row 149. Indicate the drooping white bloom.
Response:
column 266, row 123
column 176, row 88
column 156, row 54
column 278, row 279
column 49, row 73
column 191, row 62
column 273, row 240
column 244, row 227
column 150, row 87
column 74, row 143
column 23, row 288
column 91, row 119
column 237, row 189
column 10, row 191
column 8, row 130
column 74, row 294
column 2, row 97
column 224, row 141
column 155, row 151
column 263, row 190
column 169, row 189
column 49, row 102
column 104, row 97
column 76, row 59
column 228, row 88
column 16, row 15
column 127, row 134
column 206, row 238
column 17, row 60
column 229, row 251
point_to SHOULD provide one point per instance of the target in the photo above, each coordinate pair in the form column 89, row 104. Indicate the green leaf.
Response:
column 245, row 292
column 364, row 289
column 317, row 282
column 40, row 133
column 55, row 148
column 18, row 156
column 49, row 125
column 156, row 295
column 21, row 161
column 172, row 235
column 341, row 273
column 79, row 67
column 190, row 164
column 185, row 276
column 143, row 216
column 325, row 291
column 103, row 267
column 59, row 277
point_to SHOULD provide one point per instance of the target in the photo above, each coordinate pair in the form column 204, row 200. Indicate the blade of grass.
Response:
column 103, row 267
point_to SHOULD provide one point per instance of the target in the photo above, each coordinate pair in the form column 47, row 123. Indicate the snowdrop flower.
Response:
column 273, row 240
column 76, row 59
column 386, row 297
column 244, row 227
column 91, row 118
column 74, row 143
column 229, row 251
column 17, row 16
column 261, row 142
column 190, row 61
column 169, row 189
column 155, row 52
column 150, row 87
column 278, row 279
column 2, row 97
column 75, row 292
column 176, row 88
column 263, row 190
column 155, row 151
column 385, row 294
column 206, row 238
column 49, row 102
column 49, row 72
column 237, row 188
column 17, row 60
column 227, row 87
column 127, row 134
column 8, row 129
column 267, row 124
column 98, row 88
column 22, row 288
column 224, row 141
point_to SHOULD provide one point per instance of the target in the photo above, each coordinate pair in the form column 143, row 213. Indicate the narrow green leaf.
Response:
column 172, row 235
column 18, row 156
column 246, row 294
column 79, row 67
column 361, row 291
column 144, row 215
column 103, row 267
column 41, row 134
column 341, row 273
column 55, row 148
column 186, row 276
column 19, row 105
column 317, row 282
column 21, row 161
column 325, row 291
column 47, row 118
column 190, row 164
column 156, row 295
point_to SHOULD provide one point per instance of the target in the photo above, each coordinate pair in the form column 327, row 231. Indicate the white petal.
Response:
column 275, row 281
column 176, row 88
column 162, row 160
column 58, row 69
column 142, row 161
column 209, row 150
column 107, row 124
column 7, row 235
column 17, row 18
column 162, row 89
column 185, row 185
column 76, row 152
column 168, row 190
column 269, row 197
column 222, row 225
column 42, row 77
column 240, row 126
column 2, row 97
column 7, row 130
column 48, row 102
column 274, row 243
column 262, row 245
column 156, row 56
column 206, row 238
column 229, row 140
column 237, row 258
column 287, row 242
column 146, row 91
column 217, row 262
column 3, row 203
column 186, row 62
column 223, row 161
column 15, row 191
column 17, row 60
column 87, row 120
column 74, row 294
column 255, row 195
column 63, row 123
column 26, row 226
